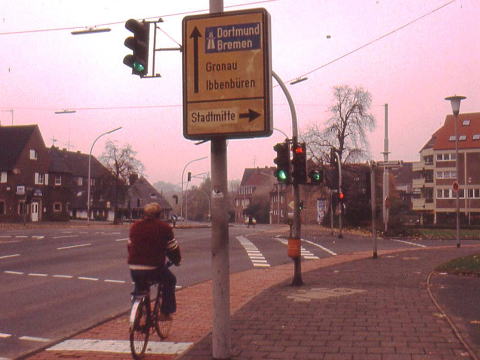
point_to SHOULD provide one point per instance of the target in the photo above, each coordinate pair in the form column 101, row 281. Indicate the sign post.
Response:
column 227, row 86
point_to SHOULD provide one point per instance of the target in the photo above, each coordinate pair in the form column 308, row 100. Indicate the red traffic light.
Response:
column 341, row 195
column 299, row 150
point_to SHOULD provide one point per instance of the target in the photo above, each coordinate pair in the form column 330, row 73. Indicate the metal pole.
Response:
column 373, row 206
column 340, row 224
column 221, row 343
column 455, row 119
column 296, row 227
column 90, row 169
column 386, row 190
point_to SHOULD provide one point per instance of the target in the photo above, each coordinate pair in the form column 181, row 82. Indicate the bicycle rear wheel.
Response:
column 162, row 326
column 139, row 328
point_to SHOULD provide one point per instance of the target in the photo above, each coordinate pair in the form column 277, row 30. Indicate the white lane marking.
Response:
column 256, row 257
column 410, row 243
column 64, row 236
column 33, row 338
column 9, row 256
column 37, row 274
column 5, row 236
column 59, row 276
column 87, row 278
column 14, row 272
column 21, row 236
column 73, row 246
column 38, row 237
column 120, row 346
column 4, row 336
column 321, row 247
column 115, row 281
column 124, row 239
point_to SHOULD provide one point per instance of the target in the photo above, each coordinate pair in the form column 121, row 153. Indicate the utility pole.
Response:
column 386, row 190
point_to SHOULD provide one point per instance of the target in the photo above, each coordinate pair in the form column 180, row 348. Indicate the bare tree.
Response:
column 346, row 130
column 122, row 164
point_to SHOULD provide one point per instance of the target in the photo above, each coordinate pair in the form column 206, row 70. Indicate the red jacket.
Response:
column 149, row 240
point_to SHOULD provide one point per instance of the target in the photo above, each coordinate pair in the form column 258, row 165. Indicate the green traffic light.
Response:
column 316, row 176
column 138, row 67
column 282, row 175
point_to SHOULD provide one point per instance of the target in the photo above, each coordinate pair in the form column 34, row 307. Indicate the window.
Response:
column 452, row 138
column 58, row 180
column 476, row 137
column 57, row 207
column 33, row 154
column 3, row 177
column 462, row 138
column 79, row 181
column 39, row 179
column 466, row 122
column 445, row 157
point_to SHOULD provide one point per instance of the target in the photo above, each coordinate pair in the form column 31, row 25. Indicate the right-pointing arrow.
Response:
column 251, row 115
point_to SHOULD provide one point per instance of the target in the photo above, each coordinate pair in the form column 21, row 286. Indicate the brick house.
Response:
column 254, row 192
column 24, row 178
column 433, row 196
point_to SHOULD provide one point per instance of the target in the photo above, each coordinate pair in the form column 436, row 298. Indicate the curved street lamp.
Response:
column 90, row 169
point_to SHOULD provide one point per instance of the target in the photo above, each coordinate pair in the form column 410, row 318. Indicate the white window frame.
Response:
column 476, row 137
column 55, row 204
column 58, row 180
column 39, row 179
column 3, row 177
column 462, row 138
column 466, row 122
column 33, row 154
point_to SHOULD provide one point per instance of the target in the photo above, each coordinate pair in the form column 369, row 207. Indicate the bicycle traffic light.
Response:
column 299, row 161
column 139, row 44
column 283, row 162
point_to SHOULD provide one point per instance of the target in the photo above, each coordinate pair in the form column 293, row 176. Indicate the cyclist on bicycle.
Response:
column 151, row 242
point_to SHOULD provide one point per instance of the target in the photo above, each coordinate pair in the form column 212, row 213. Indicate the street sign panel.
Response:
column 227, row 75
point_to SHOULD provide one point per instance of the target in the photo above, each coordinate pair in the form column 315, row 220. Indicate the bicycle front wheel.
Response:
column 139, row 328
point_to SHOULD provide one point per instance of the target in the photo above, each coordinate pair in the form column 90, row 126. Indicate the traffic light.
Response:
column 189, row 176
column 299, row 161
column 341, row 196
column 139, row 44
column 283, row 162
column 316, row 176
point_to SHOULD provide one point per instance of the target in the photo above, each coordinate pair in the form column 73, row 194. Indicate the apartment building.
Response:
column 434, row 195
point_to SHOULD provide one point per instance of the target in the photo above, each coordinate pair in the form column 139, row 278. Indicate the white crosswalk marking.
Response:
column 303, row 252
column 256, row 257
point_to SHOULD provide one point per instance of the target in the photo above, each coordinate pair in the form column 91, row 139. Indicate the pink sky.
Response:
column 412, row 70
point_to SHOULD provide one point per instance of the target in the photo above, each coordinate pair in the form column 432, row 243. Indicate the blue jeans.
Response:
column 162, row 275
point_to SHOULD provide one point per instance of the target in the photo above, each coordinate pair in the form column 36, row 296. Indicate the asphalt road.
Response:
column 57, row 281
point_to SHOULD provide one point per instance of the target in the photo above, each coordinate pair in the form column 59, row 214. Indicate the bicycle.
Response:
column 143, row 318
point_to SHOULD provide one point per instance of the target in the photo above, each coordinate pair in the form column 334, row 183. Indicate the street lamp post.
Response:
column 183, row 174
column 455, row 102
column 90, row 169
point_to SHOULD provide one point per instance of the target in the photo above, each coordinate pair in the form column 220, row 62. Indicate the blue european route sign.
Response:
column 227, row 75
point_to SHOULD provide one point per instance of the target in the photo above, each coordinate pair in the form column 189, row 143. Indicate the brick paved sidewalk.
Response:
column 352, row 307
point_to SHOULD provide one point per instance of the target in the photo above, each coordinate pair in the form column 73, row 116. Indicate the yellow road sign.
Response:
column 227, row 79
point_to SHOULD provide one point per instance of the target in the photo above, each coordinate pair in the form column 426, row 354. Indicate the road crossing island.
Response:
column 213, row 116
column 236, row 83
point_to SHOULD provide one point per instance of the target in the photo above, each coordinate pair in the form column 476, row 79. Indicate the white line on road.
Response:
column 37, row 274
column 124, row 239
column 21, row 236
column 64, row 236
column 4, row 336
column 63, row 276
column 410, row 243
column 87, row 278
column 321, row 247
column 14, row 272
column 33, row 338
column 9, row 256
column 120, row 346
column 73, row 246
column 38, row 237
column 115, row 281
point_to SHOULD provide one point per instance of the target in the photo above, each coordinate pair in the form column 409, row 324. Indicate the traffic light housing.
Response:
column 283, row 162
column 139, row 43
column 299, row 160
column 189, row 176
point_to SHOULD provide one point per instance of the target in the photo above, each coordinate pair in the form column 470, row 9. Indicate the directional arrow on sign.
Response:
column 195, row 35
column 251, row 115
